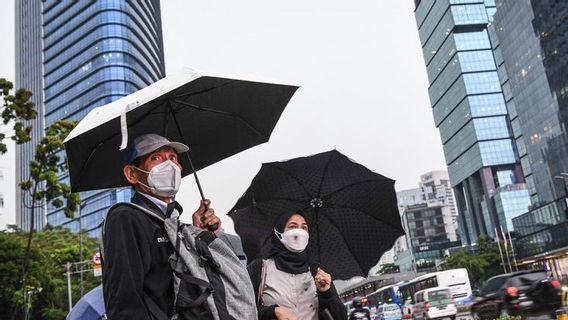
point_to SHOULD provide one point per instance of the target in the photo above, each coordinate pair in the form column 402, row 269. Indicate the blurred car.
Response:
column 433, row 303
column 407, row 311
column 527, row 293
column 464, row 305
column 389, row 311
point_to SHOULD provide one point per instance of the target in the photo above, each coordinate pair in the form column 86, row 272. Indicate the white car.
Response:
column 433, row 303
column 389, row 311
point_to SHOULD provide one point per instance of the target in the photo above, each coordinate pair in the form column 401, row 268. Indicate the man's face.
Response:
column 146, row 163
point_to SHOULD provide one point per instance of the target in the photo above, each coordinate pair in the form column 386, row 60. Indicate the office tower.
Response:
column 92, row 53
column 29, row 76
column 470, row 112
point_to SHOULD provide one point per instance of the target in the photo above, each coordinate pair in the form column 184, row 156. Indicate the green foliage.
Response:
column 17, row 109
column 51, row 250
column 43, row 183
column 481, row 265
column 386, row 268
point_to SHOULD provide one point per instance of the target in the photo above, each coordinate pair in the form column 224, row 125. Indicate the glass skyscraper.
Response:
column 93, row 53
column 469, row 109
column 29, row 76
column 532, row 37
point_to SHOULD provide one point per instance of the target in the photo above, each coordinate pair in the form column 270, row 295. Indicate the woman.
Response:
column 284, row 286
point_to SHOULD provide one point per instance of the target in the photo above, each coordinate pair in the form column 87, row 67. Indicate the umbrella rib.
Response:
column 349, row 186
column 203, row 90
column 271, row 199
column 324, row 173
column 226, row 114
column 295, row 179
column 344, row 241
column 376, row 218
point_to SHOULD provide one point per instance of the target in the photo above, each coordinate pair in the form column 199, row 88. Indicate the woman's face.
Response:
column 296, row 221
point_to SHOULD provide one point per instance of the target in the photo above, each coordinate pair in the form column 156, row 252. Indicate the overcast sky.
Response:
column 360, row 68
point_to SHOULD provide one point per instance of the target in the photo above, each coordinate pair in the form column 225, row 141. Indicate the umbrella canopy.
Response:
column 90, row 307
column 216, row 117
column 352, row 211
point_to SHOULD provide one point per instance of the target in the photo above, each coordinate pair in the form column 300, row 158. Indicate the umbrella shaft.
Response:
column 211, row 227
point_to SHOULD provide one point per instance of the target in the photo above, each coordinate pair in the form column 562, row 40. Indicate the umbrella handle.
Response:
column 212, row 227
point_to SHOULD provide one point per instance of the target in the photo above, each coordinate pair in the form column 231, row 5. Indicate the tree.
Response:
column 387, row 268
column 46, row 279
column 481, row 265
column 474, row 264
column 44, row 185
column 17, row 110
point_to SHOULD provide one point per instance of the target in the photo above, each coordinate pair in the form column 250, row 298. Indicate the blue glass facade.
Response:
column 95, row 52
column 469, row 108
column 511, row 202
column 532, row 37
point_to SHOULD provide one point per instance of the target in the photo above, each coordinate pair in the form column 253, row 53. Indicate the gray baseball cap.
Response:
column 147, row 143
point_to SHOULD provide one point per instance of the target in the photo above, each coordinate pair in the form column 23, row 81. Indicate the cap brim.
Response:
column 177, row 146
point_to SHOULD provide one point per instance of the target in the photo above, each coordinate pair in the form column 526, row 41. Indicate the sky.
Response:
column 360, row 68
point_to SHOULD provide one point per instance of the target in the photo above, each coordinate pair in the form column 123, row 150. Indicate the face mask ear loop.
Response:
column 135, row 167
column 278, row 234
column 147, row 186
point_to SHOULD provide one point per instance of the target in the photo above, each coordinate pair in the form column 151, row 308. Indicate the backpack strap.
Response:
column 205, row 286
column 154, row 309
column 147, row 211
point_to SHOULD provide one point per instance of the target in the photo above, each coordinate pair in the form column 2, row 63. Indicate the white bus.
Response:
column 387, row 294
column 456, row 279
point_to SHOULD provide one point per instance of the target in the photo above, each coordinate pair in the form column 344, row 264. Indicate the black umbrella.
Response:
column 352, row 211
column 216, row 117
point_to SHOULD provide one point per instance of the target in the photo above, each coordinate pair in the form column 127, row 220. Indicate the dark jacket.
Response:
column 328, row 300
column 360, row 313
column 135, row 262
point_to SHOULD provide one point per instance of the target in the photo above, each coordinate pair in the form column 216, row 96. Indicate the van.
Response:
column 433, row 303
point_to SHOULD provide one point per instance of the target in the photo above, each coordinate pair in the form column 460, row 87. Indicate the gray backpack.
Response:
column 209, row 280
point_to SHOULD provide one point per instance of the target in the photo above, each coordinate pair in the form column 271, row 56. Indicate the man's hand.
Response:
column 205, row 216
column 282, row 313
column 323, row 280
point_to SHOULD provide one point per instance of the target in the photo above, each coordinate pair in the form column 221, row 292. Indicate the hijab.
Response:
column 286, row 260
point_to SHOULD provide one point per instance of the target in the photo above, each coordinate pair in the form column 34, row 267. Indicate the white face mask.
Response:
column 295, row 240
column 164, row 179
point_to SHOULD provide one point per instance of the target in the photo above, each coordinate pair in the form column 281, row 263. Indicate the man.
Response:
column 359, row 312
column 136, row 274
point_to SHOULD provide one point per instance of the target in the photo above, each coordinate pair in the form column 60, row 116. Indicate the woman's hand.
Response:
column 282, row 313
column 323, row 280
